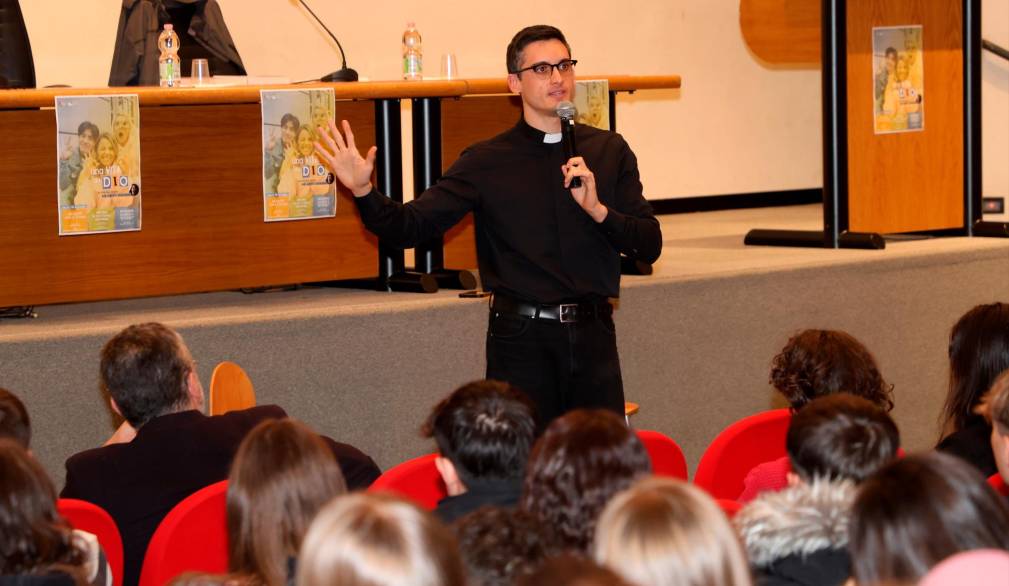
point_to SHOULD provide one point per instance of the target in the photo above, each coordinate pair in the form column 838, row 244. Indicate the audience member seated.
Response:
column 34, row 540
column 375, row 539
column 484, row 432
column 571, row 570
column 665, row 532
column 14, row 421
column 151, row 379
column 996, row 411
column 978, row 352
column 498, row 546
column 916, row 512
column 282, row 475
column 799, row 536
column 582, row 460
column 980, row 567
column 816, row 363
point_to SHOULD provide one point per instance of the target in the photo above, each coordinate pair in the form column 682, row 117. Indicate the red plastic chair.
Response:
column 94, row 519
column 667, row 457
column 193, row 537
column 729, row 507
column 746, row 443
column 998, row 484
column 417, row 480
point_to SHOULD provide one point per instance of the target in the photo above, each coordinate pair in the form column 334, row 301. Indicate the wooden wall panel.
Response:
column 465, row 121
column 911, row 181
column 782, row 32
column 202, row 223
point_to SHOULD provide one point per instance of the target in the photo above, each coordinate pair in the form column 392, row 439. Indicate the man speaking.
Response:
column 550, row 228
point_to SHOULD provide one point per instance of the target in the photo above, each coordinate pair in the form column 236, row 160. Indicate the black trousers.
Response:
column 560, row 366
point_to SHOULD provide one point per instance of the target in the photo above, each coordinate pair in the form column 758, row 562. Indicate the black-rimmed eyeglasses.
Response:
column 544, row 69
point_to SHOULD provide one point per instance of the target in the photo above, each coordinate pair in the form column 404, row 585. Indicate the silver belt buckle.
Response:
column 569, row 312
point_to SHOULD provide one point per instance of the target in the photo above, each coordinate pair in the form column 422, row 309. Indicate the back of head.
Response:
column 919, row 510
column 570, row 570
column 498, row 545
column 815, row 363
column 14, row 421
column 282, row 475
column 34, row 539
column 145, row 369
column 580, row 462
column 665, row 532
column 372, row 539
column 530, row 34
column 978, row 353
column 842, row 437
column 486, row 428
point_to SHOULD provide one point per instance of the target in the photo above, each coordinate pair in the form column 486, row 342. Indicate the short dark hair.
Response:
column 14, row 421
column 978, row 353
column 290, row 118
column 583, row 458
column 145, row 369
column 919, row 510
column 572, row 570
column 531, row 34
column 486, row 429
column 815, row 363
column 87, row 125
column 498, row 546
column 842, row 437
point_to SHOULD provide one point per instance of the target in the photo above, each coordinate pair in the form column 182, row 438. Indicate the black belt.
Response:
column 563, row 312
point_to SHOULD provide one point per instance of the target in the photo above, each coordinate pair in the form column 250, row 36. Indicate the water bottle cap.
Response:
column 169, row 26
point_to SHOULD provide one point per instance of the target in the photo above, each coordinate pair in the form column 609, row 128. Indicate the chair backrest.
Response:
column 95, row 520
column 193, row 537
column 418, row 480
column 729, row 507
column 998, row 484
column 746, row 443
column 667, row 457
column 230, row 389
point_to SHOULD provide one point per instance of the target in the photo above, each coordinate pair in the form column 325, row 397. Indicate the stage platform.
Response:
column 696, row 338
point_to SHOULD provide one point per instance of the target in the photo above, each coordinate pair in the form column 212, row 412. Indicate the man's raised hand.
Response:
column 346, row 162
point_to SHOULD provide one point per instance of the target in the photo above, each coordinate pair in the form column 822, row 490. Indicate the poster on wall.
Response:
column 592, row 100
column 297, row 184
column 898, row 72
column 98, row 164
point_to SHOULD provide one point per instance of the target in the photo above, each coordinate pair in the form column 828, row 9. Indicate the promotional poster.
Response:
column 98, row 164
column 898, row 72
column 592, row 99
column 297, row 184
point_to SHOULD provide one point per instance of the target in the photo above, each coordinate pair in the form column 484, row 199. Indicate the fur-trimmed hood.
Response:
column 798, row 520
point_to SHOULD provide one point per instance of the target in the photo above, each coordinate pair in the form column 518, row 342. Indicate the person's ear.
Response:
column 514, row 84
column 195, row 390
column 450, row 475
column 793, row 479
column 115, row 407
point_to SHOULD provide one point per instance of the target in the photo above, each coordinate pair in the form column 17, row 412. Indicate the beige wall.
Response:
column 995, row 105
column 735, row 126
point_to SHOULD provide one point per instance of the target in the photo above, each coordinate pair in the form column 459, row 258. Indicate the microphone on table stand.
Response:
column 344, row 73
column 566, row 112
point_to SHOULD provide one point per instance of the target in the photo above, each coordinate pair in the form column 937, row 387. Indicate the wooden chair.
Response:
column 193, row 537
column 230, row 389
column 94, row 519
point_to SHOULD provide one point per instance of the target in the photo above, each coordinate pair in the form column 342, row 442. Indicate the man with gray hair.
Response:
column 167, row 448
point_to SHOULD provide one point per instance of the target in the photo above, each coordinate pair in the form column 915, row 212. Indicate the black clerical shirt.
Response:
column 534, row 242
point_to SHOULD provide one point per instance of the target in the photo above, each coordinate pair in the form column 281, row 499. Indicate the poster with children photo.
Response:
column 898, row 73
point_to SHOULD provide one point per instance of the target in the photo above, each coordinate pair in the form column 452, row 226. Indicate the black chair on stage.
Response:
column 17, row 68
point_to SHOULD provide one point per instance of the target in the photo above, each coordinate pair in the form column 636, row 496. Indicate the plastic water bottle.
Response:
column 168, row 62
column 413, row 60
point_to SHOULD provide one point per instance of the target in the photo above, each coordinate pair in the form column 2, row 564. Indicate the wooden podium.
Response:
column 923, row 182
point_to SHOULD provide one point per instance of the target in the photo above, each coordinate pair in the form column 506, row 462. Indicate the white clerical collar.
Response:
column 551, row 137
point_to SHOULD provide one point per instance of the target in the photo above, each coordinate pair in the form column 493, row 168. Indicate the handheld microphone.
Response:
column 566, row 112
column 344, row 73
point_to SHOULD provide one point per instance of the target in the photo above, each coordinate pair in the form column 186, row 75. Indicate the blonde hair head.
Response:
column 371, row 539
column 663, row 531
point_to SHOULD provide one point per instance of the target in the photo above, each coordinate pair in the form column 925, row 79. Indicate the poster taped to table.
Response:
column 592, row 100
column 98, row 164
column 898, row 72
column 297, row 183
